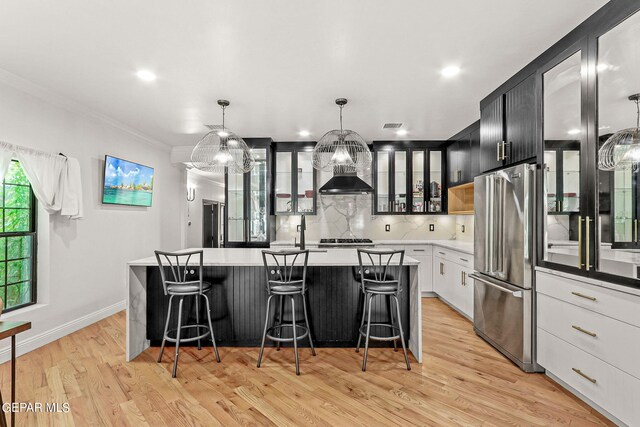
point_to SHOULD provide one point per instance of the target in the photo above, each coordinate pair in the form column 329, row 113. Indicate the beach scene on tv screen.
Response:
column 127, row 183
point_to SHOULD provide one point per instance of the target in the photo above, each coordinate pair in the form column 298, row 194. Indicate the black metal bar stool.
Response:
column 286, row 273
column 380, row 275
column 180, row 286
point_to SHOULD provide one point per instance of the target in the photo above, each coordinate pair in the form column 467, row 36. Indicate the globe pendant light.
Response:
column 222, row 151
column 343, row 149
column 622, row 150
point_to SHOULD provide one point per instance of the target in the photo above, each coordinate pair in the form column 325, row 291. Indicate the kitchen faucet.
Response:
column 302, row 228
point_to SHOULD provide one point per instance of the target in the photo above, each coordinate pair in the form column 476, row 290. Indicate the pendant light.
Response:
column 622, row 150
column 341, row 148
column 222, row 151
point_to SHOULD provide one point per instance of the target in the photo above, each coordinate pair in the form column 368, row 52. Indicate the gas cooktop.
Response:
column 345, row 242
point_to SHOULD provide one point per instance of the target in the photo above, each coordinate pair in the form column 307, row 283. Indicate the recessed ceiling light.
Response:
column 304, row 133
column 450, row 71
column 146, row 75
column 574, row 131
column 401, row 132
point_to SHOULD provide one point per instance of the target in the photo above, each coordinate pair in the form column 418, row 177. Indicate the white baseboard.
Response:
column 428, row 294
column 32, row 343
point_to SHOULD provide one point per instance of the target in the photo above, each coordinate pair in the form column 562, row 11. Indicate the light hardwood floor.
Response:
column 463, row 381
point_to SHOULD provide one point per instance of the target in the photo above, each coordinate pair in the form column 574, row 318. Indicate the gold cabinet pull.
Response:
column 587, row 222
column 504, row 150
column 498, row 151
column 441, row 269
column 583, row 375
column 578, row 294
column 584, row 331
column 580, row 263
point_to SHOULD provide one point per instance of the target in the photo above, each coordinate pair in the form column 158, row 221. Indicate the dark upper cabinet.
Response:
column 295, row 179
column 249, row 220
column 508, row 127
column 520, row 121
column 463, row 156
column 492, row 135
column 475, row 151
column 459, row 162
column 408, row 177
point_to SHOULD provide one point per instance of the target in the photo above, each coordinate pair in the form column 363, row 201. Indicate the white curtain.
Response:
column 55, row 179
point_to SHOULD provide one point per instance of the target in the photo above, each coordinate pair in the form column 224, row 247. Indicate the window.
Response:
column 17, row 240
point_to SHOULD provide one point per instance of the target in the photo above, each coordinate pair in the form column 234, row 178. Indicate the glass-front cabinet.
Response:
column 250, row 221
column 408, row 178
column 563, row 144
column 618, row 85
column 590, row 180
column 295, row 181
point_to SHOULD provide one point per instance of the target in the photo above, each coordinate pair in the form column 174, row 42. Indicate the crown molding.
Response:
column 63, row 102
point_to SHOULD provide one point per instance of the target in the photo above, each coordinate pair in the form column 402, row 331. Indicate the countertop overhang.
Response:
column 250, row 257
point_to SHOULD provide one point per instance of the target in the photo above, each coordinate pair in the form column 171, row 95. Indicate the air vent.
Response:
column 391, row 125
column 214, row 127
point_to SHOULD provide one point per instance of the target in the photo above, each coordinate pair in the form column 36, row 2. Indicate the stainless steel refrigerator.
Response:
column 504, row 249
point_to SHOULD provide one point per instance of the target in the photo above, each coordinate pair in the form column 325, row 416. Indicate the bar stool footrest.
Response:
column 279, row 327
column 191, row 339
column 363, row 332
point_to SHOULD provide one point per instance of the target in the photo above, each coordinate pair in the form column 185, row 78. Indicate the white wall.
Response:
column 81, row 264
column 206, row 189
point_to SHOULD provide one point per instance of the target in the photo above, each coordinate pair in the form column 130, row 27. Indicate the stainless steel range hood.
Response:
column 345, row 182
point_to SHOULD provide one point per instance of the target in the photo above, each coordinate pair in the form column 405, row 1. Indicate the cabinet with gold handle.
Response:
column 583, row 375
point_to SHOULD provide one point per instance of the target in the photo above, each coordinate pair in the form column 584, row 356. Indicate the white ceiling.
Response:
column 280, row 63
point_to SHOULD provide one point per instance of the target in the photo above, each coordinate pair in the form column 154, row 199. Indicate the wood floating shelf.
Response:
column 461, row 199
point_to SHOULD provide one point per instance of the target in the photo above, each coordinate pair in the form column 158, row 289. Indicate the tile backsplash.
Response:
column 350, row 217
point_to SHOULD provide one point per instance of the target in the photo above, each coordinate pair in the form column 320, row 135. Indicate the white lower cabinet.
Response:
column 451, row 279
column 423, row 253
column 589, row 339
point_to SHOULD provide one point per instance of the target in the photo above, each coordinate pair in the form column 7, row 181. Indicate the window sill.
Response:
column 19, row 313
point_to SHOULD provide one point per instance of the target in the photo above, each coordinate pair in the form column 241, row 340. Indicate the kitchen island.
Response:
column 239, row 299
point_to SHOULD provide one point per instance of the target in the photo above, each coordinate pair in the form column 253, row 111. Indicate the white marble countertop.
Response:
column 251, row 257
column 456, row 245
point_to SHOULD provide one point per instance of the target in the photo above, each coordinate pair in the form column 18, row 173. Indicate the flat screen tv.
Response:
column 126, row 183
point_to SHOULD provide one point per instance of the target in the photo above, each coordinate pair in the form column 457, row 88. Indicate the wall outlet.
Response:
column 462, row 228
column 298, row 228
column 432, row 227
column 387, row 227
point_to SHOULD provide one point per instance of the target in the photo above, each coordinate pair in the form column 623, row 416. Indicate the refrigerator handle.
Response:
column 489, row 224
column 501, row 234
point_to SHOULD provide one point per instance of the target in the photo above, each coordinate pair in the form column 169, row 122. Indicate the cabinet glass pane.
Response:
column 562, row 142
column 284, row 198
column 306, row 187
column 618, row 209
column 382, row 181
column 417, row 181
column 258, row 214
column 400, row 182
column 235, row 207
column 550, row 179
column 435, row 181
column 571, row 181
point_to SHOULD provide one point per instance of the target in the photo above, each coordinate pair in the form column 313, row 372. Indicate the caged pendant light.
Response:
column 622, row 150
column 222, row 151
column 343, row 149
